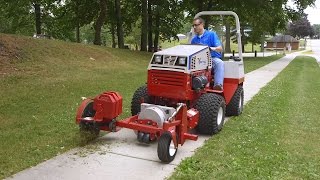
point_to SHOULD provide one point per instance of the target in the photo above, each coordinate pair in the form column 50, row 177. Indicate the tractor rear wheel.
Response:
column 212, row 109
column 235, row 106
column 139, row 96
column 89, row 129
column 166, row 149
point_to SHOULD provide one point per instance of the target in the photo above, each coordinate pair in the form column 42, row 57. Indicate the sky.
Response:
column 314, row 13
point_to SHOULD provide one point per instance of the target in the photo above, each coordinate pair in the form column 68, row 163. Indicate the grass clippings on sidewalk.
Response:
column 277, row 136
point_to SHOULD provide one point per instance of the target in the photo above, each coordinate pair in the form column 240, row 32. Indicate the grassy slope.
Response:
column 39, row 99
column 277, row 136
column 41, row 91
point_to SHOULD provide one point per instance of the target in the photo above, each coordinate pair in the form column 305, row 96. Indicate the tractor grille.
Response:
column 168, row 78
column 193, row 63
column 209, row 57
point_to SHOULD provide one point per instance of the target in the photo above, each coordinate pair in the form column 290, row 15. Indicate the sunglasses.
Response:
column 196, row 25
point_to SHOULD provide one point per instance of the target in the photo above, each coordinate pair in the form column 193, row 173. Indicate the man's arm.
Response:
column 217, row 49
column 216, row 43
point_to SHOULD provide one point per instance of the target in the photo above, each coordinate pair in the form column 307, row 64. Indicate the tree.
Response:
column 271, row 16
column 37, row 12
column 159, row 19
column 316, row 29
column 171, row 16
column 77, row 13
column 42, row 10
column 119, row 24
column 144, row 25
column 301, row 27
column 100, row 21
column 150, row 43
column 156, row 30
column 16, row 18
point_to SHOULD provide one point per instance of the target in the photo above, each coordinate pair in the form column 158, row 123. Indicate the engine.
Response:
column 199, row 82
column 157, row 113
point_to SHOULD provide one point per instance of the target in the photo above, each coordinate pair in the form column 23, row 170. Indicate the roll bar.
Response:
column 225, row 13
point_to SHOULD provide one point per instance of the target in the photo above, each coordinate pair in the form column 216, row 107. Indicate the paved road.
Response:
column 121, row 157
column 314, row 44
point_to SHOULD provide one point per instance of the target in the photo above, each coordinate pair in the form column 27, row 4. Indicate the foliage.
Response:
column 60, row 19
column 316, row 30
column 301, row 28
column 172, row 15
column 15, row 18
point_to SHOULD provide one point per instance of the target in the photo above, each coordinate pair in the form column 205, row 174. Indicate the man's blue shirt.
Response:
column 208, row 38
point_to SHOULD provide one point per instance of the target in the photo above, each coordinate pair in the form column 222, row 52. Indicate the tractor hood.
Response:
column 182, row 50
column 182, row 58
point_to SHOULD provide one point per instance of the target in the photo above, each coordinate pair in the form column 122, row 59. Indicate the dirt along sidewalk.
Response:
column 119, row 155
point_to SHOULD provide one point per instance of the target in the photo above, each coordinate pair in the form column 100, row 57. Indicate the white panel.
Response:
column 202, row 61
column 200, row 53
column 233, row 69
column 182, row 50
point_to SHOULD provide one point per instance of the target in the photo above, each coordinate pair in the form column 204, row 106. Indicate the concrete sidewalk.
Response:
column 259, row 54
column 122, row 157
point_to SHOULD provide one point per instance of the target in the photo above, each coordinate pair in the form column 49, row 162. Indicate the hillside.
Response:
column 42, row 82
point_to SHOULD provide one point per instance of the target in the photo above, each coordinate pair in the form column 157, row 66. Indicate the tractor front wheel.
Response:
column 166, row 149
column 212, row 109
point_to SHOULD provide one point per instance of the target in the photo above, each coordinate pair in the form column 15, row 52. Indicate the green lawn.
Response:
column 252, row 63
column 276, row 137
column 42, row 87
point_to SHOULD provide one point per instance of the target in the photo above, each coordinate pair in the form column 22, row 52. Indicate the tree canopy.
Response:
column 144, row 22
column 301, row 28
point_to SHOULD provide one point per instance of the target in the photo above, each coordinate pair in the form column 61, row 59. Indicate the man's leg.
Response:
column 218, row 67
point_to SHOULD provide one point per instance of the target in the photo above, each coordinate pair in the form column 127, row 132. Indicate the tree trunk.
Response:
column 144, row 25
column 156, row 31
column 227, row 47
column 78, row 22
column 78, row 33
column 113, row 32
column 150, row 49
column 100, row 21
column 243, row 38
column 113, row 36
column 119, row 25
column 208, row 18
column 262, row 41
column 37, row 11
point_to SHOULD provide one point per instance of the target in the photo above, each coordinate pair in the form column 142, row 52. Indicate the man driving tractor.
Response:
column 211, row 39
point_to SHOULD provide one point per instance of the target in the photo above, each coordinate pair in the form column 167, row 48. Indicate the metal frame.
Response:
column 225, row 13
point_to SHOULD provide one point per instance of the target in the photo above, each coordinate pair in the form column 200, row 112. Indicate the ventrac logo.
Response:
column 202, row 62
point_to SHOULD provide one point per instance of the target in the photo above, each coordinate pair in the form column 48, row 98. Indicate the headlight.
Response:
column 158, row 59
column 182, row 61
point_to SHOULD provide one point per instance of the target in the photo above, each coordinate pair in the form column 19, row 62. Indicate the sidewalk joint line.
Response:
column 124, row 155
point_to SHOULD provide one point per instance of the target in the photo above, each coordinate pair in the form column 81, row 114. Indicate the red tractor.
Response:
column 178, row 97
